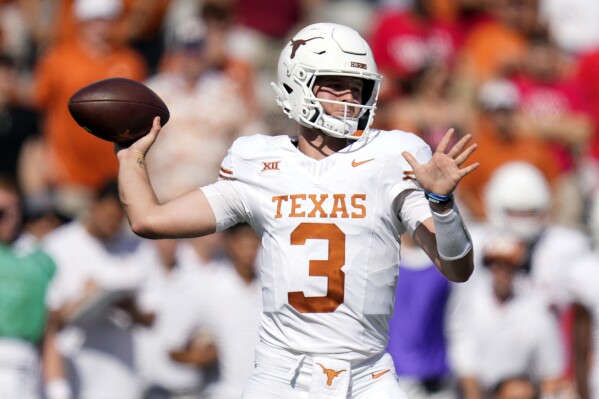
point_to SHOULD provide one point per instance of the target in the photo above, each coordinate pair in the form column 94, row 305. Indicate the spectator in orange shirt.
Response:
column 495, row 48
column 500, row 140
column 139, row 24
column 79, row 162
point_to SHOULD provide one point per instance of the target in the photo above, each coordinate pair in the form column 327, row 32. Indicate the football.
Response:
column 119, row 110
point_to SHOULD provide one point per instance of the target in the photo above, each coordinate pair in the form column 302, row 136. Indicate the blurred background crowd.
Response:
column 89, row 311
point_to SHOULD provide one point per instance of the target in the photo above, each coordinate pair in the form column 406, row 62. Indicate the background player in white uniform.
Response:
column 169, row 295
column 582, row 282
column 212, row 320
column 499, row 332
column 551, row 252
column 95, row 256
column 552, row 248
column 330, row 207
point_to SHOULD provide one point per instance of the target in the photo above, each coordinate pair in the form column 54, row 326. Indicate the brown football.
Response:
column 119, row 110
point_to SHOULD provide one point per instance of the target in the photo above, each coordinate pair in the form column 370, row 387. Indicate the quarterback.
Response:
column 329, row 205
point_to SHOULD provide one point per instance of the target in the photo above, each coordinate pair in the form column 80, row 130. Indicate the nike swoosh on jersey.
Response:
column 355, row 163
column 377, row 375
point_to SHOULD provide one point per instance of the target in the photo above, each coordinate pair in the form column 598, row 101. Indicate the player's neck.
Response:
column 317, row 145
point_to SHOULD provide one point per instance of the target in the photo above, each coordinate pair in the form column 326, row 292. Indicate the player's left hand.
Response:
column 442, row 173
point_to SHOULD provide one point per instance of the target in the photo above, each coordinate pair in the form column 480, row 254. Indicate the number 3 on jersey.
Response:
column 330, row 268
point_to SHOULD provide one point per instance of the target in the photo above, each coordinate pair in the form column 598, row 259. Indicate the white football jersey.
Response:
column 493, row 341
column 582, row 282
column 557, row 249
column 330, row 234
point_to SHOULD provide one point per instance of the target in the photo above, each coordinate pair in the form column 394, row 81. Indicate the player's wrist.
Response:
column 438, row 199
column 439, row 203
column 130, row 154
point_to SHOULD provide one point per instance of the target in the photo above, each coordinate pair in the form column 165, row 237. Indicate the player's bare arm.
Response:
column 189, row 215
column 441, row 176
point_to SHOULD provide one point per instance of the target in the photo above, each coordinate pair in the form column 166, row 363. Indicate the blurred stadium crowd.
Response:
column 109, row 315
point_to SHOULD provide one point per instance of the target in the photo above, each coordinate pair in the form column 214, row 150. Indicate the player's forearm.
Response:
column 200, row 357
column 51, row 358
column 55, row 383
column 135, row 190
column 574, row 130
column 458, row 270
column 447, row 242
column 189, row 215
column 582, row 349
column 453, row 243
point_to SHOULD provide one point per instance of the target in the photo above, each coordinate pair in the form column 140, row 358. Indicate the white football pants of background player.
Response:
column 19, row 373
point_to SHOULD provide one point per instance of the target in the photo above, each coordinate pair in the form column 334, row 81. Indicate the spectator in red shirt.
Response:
column 405, row 41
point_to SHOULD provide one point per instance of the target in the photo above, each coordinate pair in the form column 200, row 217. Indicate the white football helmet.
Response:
column 518, row 200
column 326, row 49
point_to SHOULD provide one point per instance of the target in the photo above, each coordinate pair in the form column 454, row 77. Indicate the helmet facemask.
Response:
column 345, row 126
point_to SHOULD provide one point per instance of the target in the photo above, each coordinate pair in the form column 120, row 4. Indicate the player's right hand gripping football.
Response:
column 142, row 146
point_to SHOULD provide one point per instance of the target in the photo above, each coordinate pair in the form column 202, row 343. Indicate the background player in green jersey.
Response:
column 26, row 335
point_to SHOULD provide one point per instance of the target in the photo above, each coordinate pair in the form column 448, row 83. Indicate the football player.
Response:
column 330, row 205
column 552, row 247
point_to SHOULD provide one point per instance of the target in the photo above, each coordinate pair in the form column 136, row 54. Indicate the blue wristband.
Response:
column 438, row 198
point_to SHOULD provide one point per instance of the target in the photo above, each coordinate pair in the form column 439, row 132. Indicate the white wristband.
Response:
column 453, row 240
column 58, row 389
